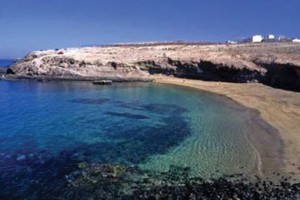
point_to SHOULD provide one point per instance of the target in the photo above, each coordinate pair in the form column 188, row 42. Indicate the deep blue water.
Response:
column 46, row 129
column 6, row 62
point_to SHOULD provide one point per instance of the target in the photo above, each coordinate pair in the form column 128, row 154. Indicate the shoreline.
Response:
column 267, row 144
column 279, row 111
column 74, row 78
column 263, row 135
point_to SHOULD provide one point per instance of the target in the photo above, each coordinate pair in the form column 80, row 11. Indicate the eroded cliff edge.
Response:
column 274, row 64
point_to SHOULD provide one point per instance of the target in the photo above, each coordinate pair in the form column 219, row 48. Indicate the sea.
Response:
column 6, row 62
column 48, row 128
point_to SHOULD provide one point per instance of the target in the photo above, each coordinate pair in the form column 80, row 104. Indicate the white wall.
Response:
column 257, row 38
column 271, row 37
column 296, row 40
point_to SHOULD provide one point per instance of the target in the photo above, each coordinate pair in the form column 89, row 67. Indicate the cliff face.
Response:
column 275, row 64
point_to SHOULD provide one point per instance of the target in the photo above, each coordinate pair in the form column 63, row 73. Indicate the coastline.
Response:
column 280, row 114
column 76, row 78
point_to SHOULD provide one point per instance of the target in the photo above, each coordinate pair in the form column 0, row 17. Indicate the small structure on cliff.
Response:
column 252, row 39
column 231, row 42
column 257, row 38
column 267, row 38
column 296, row 40
column 271, row 37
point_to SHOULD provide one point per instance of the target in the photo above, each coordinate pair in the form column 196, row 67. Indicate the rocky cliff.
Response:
column 275, row 64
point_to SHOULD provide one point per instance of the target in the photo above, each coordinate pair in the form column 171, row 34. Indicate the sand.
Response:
column 279, row 108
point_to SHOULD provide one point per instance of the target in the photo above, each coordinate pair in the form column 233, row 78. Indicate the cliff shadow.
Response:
column 282, row 76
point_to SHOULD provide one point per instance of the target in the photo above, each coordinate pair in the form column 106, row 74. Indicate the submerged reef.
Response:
column 115, row 181
column 63, row 178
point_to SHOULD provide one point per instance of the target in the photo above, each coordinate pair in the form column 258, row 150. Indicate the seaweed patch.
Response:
column 90, row 101
column 126, row 115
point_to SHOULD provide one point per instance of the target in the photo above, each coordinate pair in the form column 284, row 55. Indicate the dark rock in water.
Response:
column 163, row 108
column 127, row 115
column 102, row 82
column 104, row 170
column 62, row 177
column 108, row 181
column 99, row 101
column 10, row 71
column 131, row 106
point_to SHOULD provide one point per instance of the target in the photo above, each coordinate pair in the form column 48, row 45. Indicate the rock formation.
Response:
column 275, row 64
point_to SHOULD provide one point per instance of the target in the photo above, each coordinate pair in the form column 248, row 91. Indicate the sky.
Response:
column 28, row 25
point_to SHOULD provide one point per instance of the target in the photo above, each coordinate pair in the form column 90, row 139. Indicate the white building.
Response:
column 271, row 37
column 231, row 42
column 296, row 40
column 257, row 38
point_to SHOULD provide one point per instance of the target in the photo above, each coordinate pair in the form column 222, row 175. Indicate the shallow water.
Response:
column 46, row 129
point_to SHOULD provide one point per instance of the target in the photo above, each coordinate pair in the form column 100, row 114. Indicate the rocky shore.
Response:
column 119, row 181
column 274, row 64
column 111, row 181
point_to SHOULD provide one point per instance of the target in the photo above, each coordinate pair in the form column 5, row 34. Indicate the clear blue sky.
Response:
column 28, row 25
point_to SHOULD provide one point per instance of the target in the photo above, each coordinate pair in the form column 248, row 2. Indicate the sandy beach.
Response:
column 279, row 108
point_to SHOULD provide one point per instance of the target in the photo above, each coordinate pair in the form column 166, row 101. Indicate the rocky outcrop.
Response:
column 284, row 76
column 68, row 67
column 275, row 64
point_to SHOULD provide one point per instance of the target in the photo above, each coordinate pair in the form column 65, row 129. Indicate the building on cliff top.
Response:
column 271, row 37
column 230, row 42
column 267, row 38
column 296, row 40
column 257, row 38
column 252, row 39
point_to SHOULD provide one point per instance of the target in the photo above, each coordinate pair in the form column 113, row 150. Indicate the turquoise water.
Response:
column 46, row 129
